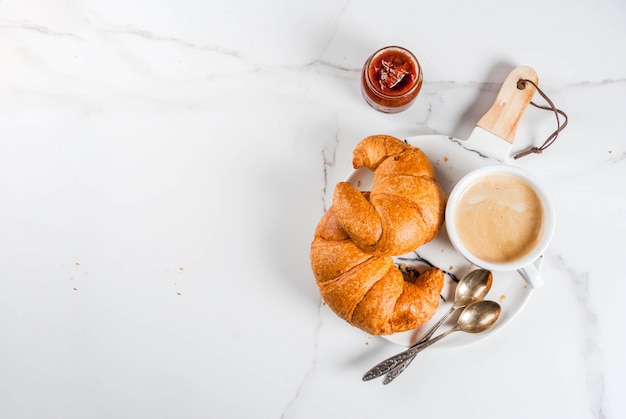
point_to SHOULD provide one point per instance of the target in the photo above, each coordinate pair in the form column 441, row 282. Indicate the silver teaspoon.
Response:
column 471, row 288
column 475, row 318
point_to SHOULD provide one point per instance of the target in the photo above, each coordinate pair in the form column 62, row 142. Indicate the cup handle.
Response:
column 531, row 275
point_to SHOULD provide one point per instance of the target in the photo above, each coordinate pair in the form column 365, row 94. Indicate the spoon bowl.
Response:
column 472, row 287
column 477, row 317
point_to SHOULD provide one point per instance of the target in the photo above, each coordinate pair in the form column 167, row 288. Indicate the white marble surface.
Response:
column 163, row 165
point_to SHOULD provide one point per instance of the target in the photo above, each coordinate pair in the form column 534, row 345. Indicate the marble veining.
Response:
column 131, row 30
column 592, row 350
column 328, row 155
column 29, row 26
column 140, row 140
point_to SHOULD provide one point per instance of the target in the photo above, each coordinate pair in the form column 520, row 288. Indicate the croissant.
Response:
column 354, row 241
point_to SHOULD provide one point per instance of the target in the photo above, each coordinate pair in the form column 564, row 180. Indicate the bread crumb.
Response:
column 75, row 289
column 502, row 297
column 181, row 269
column 445, row 158
column 178, row 293
column 77, row 264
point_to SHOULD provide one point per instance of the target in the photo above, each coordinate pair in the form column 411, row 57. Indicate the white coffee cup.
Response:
column 500, row 218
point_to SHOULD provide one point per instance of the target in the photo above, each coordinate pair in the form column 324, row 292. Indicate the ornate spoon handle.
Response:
column 387, row 365
column 402, row 365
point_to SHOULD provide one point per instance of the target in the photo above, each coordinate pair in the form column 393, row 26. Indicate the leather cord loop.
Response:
column 521, row 84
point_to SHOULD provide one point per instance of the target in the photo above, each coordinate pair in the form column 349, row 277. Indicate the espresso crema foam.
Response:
column 499, row 218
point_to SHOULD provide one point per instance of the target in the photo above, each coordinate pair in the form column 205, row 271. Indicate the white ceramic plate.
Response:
column 452, row 160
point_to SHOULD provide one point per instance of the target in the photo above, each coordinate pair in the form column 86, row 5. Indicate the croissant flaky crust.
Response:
column 355, row 239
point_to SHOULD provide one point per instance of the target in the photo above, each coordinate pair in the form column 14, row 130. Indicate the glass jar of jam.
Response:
column 391, row 79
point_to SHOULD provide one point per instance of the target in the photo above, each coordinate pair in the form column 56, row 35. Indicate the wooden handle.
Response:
column 503, row 116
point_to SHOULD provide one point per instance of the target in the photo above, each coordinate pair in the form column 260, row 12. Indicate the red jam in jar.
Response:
column 391, row 79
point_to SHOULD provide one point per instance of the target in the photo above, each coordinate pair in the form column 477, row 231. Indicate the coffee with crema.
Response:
column 499, row 218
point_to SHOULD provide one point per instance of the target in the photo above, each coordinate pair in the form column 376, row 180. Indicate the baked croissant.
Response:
column 355, row 239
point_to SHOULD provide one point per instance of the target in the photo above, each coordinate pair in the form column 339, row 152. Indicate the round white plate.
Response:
column 452, row 161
